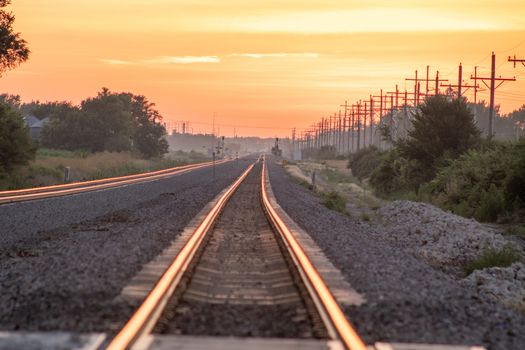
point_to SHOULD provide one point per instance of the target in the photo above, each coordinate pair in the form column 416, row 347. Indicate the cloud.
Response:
column 372, row 19
column 165, row 60
column 278, row 55
column 183, row 59
column 115, row 62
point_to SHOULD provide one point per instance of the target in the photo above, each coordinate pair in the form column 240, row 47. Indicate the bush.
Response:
column 493, row 258
column 516, row 231
column 442, row 129
column 485, row 184
column 335, row 177
column 365, row 161
column 327, row 152
column 395, row 174
column 16, row 147
column 334, row 201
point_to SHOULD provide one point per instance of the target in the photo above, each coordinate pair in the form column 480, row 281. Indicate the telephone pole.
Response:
column 517, row 60
column 371, row 120
column 460, row 84
column 380, row 110
column 492, row 88
column 417, row 85
column 345, row 134
column 364, row 126
column 358, row 125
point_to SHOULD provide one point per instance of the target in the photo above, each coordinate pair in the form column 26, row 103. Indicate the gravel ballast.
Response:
column 23, row 221
column 241, row 285
column 408, row 300
column 66, row 278
column 505, row 284
column 442, row 239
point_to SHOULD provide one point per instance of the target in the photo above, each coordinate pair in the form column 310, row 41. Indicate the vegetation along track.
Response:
column 241, row 273
column 95, row 185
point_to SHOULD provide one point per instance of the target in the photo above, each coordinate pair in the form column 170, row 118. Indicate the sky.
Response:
column 261, row 67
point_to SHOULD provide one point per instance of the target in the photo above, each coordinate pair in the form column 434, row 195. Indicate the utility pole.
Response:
column 437, row 84
column 380, row 106
column 391, row 116
column 364, row 126
column 339, row 133
column 358, row 125
column 417, row 85
column 353, row 128
column 517, row 60
column 371, row 120
column 460, row 79
column 460, row 84
column 344, row 124
column 476, row 86
column 426, row 80
column 493, row 88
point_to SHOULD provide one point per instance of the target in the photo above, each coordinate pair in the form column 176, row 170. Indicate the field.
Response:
column 48, row 167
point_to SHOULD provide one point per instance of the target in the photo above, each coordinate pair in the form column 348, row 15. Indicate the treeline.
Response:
column 445, row 160
column 108, row 122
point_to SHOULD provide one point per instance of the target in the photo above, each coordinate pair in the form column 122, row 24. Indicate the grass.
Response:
column 516, row 231
column 493, row 258
column 365, row 217
column 336, row 177
column 334, row 201
column 304, row 183
column 49, row 165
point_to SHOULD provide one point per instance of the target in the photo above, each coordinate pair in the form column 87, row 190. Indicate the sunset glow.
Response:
column 263, row 66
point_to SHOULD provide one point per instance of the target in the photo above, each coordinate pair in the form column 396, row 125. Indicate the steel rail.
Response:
column 144, row 319
column 94, row 185
column 330, row 312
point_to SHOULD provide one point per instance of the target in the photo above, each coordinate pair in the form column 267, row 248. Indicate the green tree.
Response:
column 148, row 137
column 68, row 128
column 46, row 109
column 15, row 144
column 110, row 120
column 15, row 101
column 13, row 49
column 442, row 129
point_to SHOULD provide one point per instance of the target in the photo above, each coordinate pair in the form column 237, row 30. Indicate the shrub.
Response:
column 516, row 231
column 395, row 174
column 335, row 177
column 485, row 184
column 334, row 201
column 16, row 147
column 441, row 129
column 365, row 161
column 493, row 258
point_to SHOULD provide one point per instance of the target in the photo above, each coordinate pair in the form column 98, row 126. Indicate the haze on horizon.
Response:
column 264, row 66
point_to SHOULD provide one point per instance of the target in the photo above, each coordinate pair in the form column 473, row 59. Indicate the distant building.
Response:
column 35, row 125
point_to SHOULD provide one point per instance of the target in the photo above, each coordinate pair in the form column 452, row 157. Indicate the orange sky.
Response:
column 264, row 65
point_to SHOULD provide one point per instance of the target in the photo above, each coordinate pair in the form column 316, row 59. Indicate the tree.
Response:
column 442, row 129
column 111, row 126
column 15, row 144
column 148, row 137
column 46, row 109
column 15, row 101
column 108, row 122
column 13, row 49
column 68, row 128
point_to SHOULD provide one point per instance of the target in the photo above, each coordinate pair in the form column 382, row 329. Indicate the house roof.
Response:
column 30, row 120
column 39, row 123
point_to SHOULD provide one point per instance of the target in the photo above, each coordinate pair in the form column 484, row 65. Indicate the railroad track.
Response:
column 240, row 273
column 95, row 185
